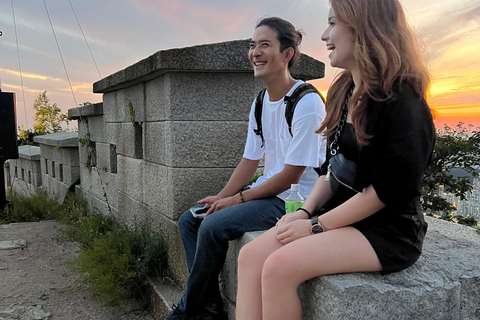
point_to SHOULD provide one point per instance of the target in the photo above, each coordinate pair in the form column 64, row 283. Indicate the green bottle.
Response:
column 294, row 200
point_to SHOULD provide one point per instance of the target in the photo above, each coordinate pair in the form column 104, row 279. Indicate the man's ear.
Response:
column 289, row 53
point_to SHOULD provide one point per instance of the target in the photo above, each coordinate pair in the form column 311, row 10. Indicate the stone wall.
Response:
column 24, row 174
column 170, row 130
column 59, row 162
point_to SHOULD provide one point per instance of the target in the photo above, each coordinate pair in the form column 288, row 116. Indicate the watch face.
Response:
column 316, row 228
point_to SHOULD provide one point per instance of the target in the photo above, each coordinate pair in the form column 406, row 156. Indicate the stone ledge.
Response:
column 90, row 110
column 201, row 58
column 59, row 139
column 444, row 284
column 29, row 152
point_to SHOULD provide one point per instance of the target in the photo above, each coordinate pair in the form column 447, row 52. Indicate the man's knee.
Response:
column 186, row 221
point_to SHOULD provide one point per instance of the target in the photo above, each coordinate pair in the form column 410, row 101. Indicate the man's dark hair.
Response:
column 287, row 35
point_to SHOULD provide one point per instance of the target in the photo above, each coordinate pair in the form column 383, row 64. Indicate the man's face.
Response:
column 264, row 54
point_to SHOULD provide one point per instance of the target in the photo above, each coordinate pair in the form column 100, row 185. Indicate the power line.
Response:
column 19, row 64
column 91, row 54
column 60, row 51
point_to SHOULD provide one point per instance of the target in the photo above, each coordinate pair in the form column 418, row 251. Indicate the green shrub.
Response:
column 39, row 206
column 114, row 260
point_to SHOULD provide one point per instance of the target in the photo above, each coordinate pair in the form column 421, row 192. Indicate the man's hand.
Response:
column 209, row 201
column 294, row 230
column 223, row 203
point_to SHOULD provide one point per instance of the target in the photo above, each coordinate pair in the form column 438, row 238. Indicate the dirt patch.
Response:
column 35, row 276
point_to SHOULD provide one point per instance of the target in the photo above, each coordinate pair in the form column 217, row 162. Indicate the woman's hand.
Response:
column 292, row 217
column 294, row 230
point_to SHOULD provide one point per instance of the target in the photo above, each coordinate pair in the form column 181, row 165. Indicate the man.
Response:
column 289, row 158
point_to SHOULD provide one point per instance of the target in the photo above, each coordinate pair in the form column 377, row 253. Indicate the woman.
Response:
column 387, row 131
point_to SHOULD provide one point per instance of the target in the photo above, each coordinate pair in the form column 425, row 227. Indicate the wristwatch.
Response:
column 316, row 227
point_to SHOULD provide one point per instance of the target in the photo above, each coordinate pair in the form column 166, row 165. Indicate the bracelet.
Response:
column 305, row 210
column 241, row 196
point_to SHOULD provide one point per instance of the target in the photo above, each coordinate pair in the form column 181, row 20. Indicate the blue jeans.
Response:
column 206, row 244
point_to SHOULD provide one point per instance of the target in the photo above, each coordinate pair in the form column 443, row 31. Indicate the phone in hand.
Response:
column 199, row 211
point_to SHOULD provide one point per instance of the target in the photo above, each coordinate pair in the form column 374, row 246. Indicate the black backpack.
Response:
column 290, row 101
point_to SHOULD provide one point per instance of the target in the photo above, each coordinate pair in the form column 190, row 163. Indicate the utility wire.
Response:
column 19, row 65
column 23, row 92
column 91, row 54
column 60, row 51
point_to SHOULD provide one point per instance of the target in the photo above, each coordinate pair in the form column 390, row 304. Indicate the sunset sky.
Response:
column 122, row 32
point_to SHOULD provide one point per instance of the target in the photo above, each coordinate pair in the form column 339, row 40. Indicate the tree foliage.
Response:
column 457, row 147
column 48, row 117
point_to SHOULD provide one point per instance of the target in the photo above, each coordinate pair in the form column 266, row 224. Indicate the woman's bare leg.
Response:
column 250, row 265
column 335, row 251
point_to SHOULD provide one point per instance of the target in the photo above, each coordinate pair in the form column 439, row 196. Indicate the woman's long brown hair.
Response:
column 387, row 53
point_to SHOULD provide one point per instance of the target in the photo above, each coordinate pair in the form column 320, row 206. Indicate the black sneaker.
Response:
column 175, row 314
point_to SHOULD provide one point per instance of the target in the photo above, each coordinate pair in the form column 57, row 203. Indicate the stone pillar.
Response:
column 177, row 121
column 59, row 162
column 25, row 172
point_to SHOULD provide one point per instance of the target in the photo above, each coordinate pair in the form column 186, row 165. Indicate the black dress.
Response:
column 393, row 163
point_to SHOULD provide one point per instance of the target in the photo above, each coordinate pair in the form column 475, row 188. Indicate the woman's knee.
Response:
column 278, row 268
column 247, row 257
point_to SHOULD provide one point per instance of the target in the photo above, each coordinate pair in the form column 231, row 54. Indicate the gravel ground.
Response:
column 35, row 283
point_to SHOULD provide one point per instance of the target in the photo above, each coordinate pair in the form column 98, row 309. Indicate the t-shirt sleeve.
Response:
column 307, row 148
column 253, row 147
column 404, row 149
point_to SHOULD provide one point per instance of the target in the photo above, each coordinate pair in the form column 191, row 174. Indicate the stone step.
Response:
column 164, row 294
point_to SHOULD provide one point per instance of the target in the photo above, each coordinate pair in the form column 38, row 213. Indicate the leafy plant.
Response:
column 39, row 206
column 457, row 147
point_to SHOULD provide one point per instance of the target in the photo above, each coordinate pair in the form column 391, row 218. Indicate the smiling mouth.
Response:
column 259, row 63
column 330, row 47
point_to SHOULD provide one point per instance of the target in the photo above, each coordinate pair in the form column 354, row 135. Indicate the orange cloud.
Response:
column 30, row 75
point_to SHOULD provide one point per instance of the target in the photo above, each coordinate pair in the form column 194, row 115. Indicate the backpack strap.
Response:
column 291, row 101
column 258, row 114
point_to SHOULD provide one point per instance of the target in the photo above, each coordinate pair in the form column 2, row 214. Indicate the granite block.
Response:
column 96, row 128
column 158, row 98
column 130, row 177
column 155, row 141
column 129, row 142
column 212, row 96
column 59, row 139
column 113, row 131
column 157, row 187
column 223, row 142
column 190, row 185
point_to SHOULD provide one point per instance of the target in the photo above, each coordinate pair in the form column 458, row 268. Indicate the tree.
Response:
column 47, row 116
column 457, row 147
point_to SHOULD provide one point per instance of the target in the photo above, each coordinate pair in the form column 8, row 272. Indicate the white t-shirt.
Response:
column 305, row 148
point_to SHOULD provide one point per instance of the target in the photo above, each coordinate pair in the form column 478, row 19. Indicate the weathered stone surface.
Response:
column 217, row 143
column 190, row 185
column 12, row 244
column 103, row 185
column 59, row 139
column 130, row 178
column 94, row 109
column 29, row 152
column 199, row 59
column 201, row 96
column 443, row 284
column 106, row 157
column 113, row 130
column 129, row 141
column 97, row 129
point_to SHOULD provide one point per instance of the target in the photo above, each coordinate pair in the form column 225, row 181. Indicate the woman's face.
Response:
column 340, row 40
